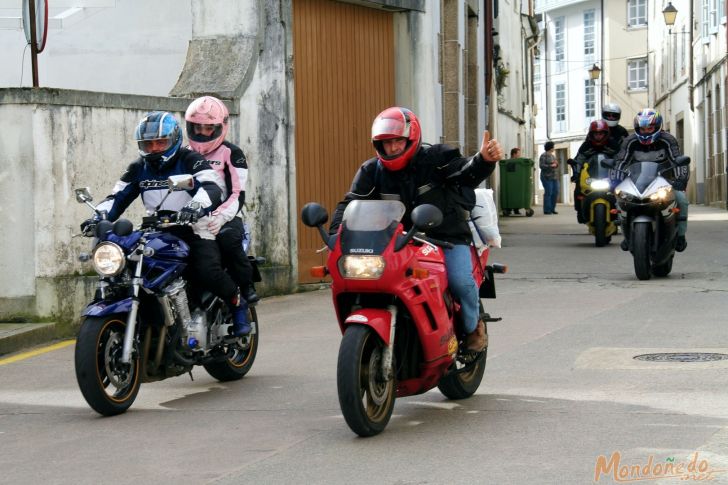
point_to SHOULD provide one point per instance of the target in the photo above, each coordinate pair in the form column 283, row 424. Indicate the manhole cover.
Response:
column 682, row 357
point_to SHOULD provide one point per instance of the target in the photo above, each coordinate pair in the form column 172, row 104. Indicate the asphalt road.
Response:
column 561, row 387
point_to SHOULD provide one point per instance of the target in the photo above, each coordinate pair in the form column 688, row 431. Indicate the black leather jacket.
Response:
column 438, row 175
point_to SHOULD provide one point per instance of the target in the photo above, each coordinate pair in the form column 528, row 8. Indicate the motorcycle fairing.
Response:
column 377, row 318
column 102, row 308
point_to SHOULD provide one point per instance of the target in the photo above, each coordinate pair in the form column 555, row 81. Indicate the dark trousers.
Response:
column 205, row 269
column 234, row 259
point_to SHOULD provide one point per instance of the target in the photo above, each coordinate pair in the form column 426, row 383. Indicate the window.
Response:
column 589, row 102
column 560, row 107
column 636, row 13
column 637, row 74
column 713, row 16
column 704, row 21
column 559, row 44
column 589, row 35
column 536, row 71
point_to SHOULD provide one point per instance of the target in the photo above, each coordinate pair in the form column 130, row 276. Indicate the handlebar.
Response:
column 423, row 238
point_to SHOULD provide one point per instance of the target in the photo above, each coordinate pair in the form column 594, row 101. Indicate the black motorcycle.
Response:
column 648, row 208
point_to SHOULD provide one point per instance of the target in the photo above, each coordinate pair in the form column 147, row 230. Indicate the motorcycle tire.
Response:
column 663, row 269
column 240, row 360
column 600, row 226
column 462, row 385
column 108, row 386
column 641, row 237
column 366, row 400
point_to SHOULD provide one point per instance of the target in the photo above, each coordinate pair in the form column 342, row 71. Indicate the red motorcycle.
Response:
column 395, row 311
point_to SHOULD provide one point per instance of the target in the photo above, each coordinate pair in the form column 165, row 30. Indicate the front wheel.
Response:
column 240, row 355
column 365, row 397
column 641, row 237
column 600, row 226
column 108, row 385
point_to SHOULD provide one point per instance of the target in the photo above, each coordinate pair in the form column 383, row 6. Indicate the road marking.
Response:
column 33, row 353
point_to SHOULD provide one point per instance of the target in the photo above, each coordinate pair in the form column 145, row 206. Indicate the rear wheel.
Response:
column 366, row 399
column 108, row 385
column 465, row 378
column 529, row 212
column 641, row 237
column 240, row 355
column 600, row 226
column 663, row 269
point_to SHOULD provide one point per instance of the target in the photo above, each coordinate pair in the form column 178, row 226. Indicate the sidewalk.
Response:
column 17, row 336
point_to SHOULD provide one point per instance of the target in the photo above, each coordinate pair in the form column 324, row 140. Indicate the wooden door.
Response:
column 343, row 77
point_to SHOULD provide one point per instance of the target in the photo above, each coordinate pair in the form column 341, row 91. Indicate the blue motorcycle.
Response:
column 141, row 325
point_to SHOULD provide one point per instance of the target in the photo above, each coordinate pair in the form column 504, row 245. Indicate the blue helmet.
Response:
column 158, row 136
column 647, row 125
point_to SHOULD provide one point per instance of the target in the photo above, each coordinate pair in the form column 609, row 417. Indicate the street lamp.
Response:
column 594, row 72
column 669, row 12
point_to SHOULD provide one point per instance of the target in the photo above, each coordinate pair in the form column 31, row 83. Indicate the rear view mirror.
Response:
column 426, row 216
column 83, row 195
column 181, row 182
column 314, row 215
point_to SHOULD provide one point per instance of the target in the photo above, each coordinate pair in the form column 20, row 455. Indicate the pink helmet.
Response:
column 206, row 111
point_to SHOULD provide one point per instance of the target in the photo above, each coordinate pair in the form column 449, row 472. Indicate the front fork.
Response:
column 387, row 372
column 132, row 317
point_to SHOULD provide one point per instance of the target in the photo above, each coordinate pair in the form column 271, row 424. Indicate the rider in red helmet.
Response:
column 405, row 169
column 597, row 141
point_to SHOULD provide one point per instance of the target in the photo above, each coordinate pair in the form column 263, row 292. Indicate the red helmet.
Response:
column 209, row 111
column 396, row 123
column 598, row 133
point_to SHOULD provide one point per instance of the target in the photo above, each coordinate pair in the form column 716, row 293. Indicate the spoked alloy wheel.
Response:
column 240, row 355
column 366, row 399
column 641, row 237
column 108, row 385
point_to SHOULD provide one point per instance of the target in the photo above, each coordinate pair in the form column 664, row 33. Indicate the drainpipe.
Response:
column 601, row 61
column 546, row 73
column 690, row 73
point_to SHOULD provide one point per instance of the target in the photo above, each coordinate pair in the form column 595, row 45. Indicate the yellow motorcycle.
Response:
column 598, row 204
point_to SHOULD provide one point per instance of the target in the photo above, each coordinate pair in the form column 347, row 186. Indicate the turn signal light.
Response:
column 319, row 271
column 614, row 211
column 675, row 210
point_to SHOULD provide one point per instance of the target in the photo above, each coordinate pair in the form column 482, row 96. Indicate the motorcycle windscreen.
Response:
column 595, row 169
column 369, row 225
column 643, row 173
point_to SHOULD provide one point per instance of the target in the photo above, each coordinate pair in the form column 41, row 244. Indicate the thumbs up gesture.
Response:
column 490, row 150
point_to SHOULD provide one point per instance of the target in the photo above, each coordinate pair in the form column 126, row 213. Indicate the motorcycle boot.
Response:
column 476, row 340
column 251, row 296
column 239, row 308
column 680, row 244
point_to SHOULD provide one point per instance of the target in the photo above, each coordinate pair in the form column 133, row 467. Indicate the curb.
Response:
column 18, row 336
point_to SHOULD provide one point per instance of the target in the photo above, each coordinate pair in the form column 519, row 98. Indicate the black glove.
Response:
column 190, row 213
column 88, row 226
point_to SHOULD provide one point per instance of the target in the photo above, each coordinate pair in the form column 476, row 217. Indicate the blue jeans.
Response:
column 462, row 285
column 550, row 193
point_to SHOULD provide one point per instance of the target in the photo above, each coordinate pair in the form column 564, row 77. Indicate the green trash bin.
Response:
column 516, row 185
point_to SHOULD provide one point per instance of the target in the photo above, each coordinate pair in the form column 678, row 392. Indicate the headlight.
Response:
column 598, row 184
column 661, row 193
column 361, row 267
column 108, row 259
